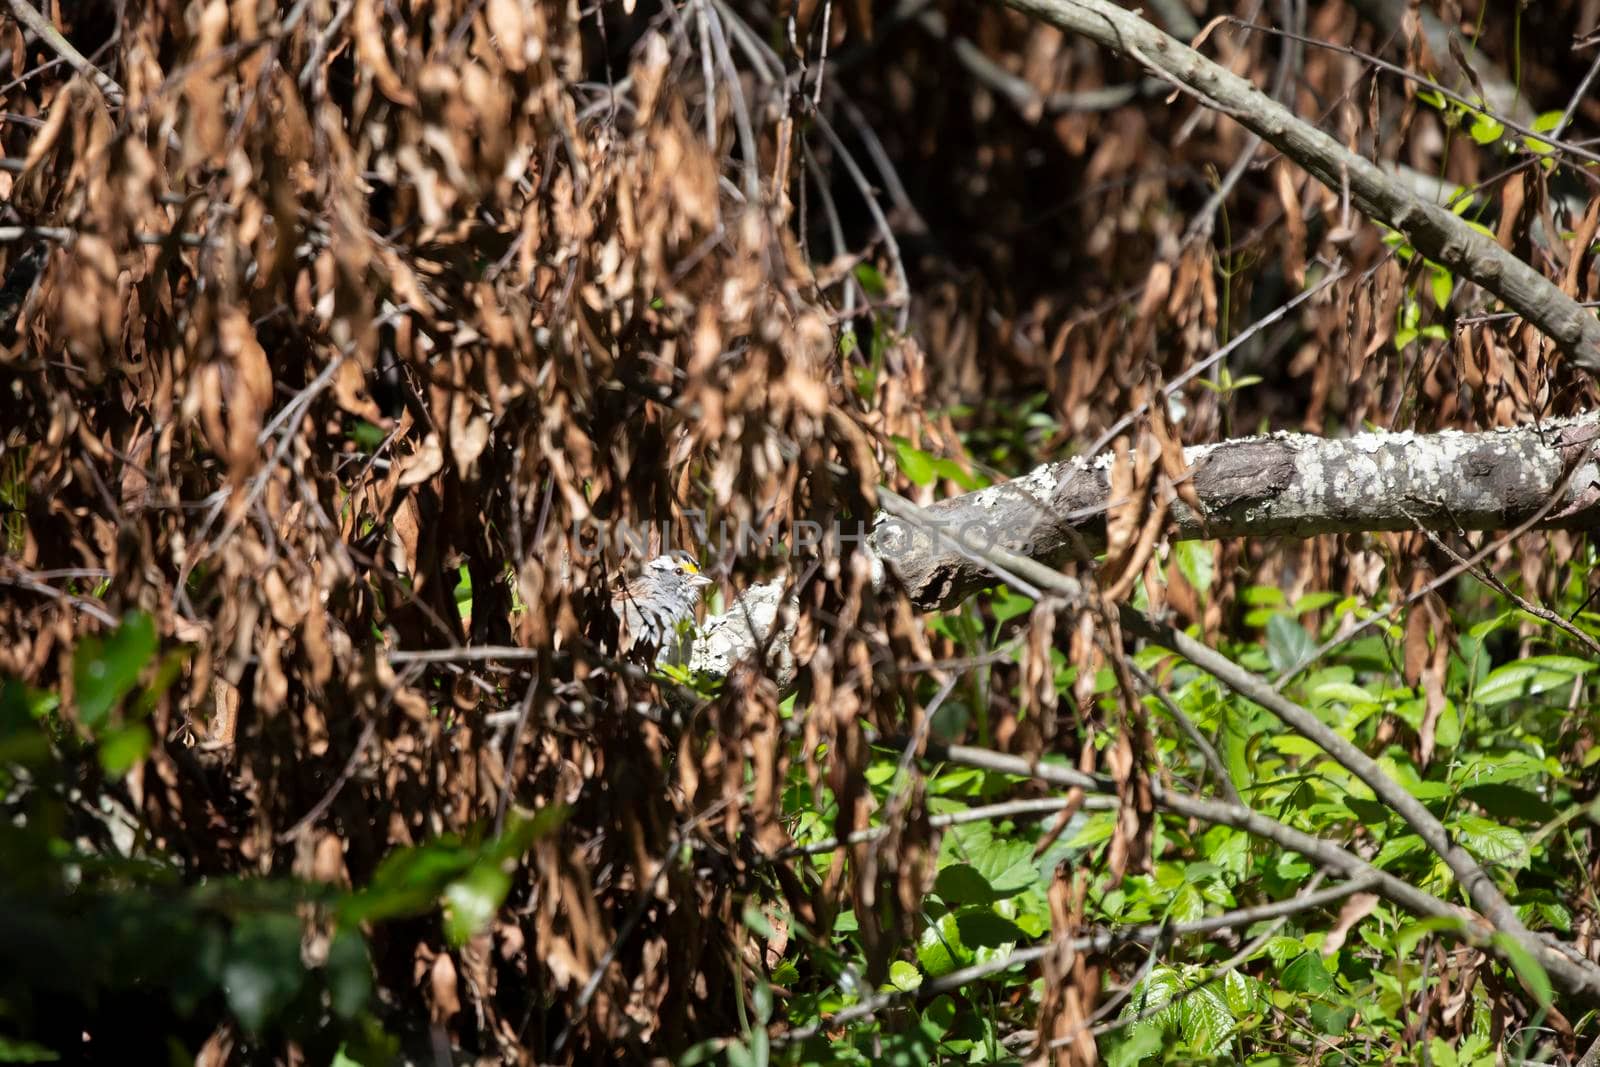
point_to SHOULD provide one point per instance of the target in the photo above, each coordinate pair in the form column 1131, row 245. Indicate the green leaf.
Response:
column 914, row 463
column 1504, row 801
column 1006, row 865
column 1187, row 905
column 1197, row 564
column 1441, row 284
column 349, row 973
column 1143, row 1041
column 1547, row 121
column 409, row 881
column 1288, row 644
column 1306, row 974
column 15, row 1051
column 1485, row 130
column 262, row 972
column 1340, row 692
column 104, row 670
column 761, row 999
column 1006, row 605
column 121, row 747
column 366, row 435
column 1526, row 965
column 1405, row 941
column 1488, row 840
column 940, row 1014
column 756, row 922
column 944, row 467
column 961, row 883
column 939, row 949
column 1205, row 1021
column 871, row 280
column 1530, row 677
column 904, row 976
column 982, row 928
column 470, row 902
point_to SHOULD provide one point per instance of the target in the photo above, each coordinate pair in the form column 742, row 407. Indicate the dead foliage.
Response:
column 356, row 321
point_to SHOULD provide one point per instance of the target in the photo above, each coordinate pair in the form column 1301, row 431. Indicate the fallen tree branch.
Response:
column 1285, row 484
column 1432, row 230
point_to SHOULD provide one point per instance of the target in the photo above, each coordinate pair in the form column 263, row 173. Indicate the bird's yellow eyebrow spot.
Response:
column 689, row 565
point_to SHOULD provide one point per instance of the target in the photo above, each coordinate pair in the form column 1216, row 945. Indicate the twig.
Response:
column 1207, row 751
column 51, row 36
column 1572, row 104
column 1099, row 941
column 984, row 813
column 1430, row 229
column 1480, row 887
column 91, row 608
column 1454, row 97
column 1336, row 271
column 63, row 235
column 1200, row 227
column 510, row 756
column 345, row 773
column 1493, row 581
column 647, row 891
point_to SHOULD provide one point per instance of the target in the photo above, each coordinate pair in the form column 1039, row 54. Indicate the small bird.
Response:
column 653, row 603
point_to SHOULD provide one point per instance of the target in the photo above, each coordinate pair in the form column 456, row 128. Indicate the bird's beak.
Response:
column 699, row 580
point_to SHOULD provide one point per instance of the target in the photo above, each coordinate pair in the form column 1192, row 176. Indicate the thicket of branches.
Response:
column 336, row 330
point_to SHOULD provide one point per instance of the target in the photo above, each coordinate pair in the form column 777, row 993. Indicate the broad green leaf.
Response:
column 939, row 949
column 349, row 973
column 1005, row 605
column 1485, row 130
column 262, row 972
column 1260, row 596
column 470, row 902
column 1501, row 800
column 914, row 463
column 961, row 883
column 1288, row 644
column 982, row 928
column 1197, row 563
column 1006, row 865
column 1306, row 974
column 103, row 670
column 121, row 747
column 904, row 976
column 1342, row 692
column 1205, row 1021
column 1546, row 121
column 940, row 1014
column 1313, row 602
column 1530, row 677
column 1488, row 840
column 1187, row 905
column 1408, row 936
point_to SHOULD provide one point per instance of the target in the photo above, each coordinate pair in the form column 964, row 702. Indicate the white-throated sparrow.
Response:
column 653, row 603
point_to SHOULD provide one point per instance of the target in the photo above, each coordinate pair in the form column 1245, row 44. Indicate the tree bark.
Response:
column 1293, row 485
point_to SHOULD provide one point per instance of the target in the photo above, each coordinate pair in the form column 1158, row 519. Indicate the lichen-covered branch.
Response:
column 1293, row 485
